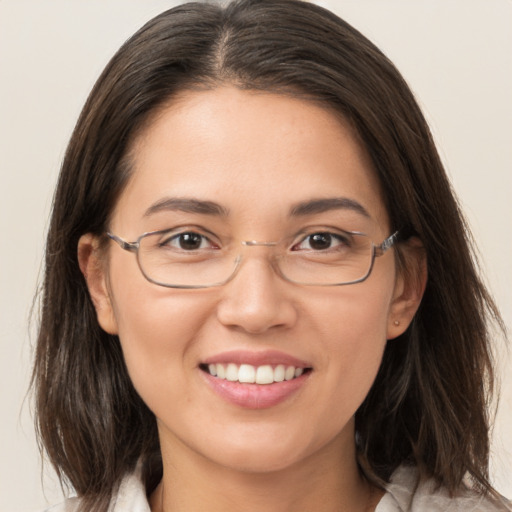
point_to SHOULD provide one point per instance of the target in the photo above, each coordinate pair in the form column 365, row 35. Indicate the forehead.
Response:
column 255, row 153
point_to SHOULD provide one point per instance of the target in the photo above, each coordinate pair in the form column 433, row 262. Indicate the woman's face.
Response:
column 248, row 166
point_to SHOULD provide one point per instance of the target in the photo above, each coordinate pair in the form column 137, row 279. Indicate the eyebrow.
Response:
column 187, row 205
column 315, row 206
column 311, row 207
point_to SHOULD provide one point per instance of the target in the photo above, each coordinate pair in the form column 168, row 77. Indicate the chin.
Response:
column 268, row 450
column 258, row 460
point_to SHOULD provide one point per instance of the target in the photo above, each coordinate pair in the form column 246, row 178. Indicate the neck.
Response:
column 328, row 481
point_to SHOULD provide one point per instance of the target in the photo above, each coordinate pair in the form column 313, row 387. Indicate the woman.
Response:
column 259, row 291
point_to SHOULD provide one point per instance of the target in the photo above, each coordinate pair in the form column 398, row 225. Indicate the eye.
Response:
column 188, row 241
column 321, row 242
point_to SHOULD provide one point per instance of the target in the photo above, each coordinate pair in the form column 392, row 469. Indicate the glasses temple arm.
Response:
column 386, row 244
column 127, row 246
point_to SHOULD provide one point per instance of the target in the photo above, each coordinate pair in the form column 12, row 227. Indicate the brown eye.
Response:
column 187, row 241
column 320, row 241
column 190, row 241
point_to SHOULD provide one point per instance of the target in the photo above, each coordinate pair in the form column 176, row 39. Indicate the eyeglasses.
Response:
column 190, row 258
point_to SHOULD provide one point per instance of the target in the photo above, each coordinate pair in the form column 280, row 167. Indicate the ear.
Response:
column 94, row 268
column 410, row 285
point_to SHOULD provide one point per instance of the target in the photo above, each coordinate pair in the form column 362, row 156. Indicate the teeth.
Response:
column 221, row 372
column 264, row 375
column 279, row 373
column 289, row 373
column 232, row 372
column 249, row 374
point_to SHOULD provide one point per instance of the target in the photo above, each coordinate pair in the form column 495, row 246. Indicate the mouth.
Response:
column 249, row 374
column 256, row 379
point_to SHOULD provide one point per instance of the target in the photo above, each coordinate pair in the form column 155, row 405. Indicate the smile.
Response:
column 255, row 379
column 249, row 374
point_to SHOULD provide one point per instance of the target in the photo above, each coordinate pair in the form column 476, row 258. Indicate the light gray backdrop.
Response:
column 456, row 54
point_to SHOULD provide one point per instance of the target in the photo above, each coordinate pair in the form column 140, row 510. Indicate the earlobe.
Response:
column 94, row 271
column 410, row 285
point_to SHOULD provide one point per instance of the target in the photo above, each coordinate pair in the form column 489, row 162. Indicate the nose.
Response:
column 257, row 299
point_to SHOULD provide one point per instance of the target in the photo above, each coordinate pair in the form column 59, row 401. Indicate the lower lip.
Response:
column 255, row 396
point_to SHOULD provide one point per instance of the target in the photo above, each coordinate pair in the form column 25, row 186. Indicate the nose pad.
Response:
column 256, row 298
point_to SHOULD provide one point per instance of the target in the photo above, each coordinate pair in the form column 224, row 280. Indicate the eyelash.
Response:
column 176, row 237
column 342, row 239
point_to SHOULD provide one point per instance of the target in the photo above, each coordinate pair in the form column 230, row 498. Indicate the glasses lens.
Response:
column 329, row 260
column 181, row 261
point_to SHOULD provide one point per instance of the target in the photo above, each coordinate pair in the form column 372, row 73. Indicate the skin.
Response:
column 256, row 154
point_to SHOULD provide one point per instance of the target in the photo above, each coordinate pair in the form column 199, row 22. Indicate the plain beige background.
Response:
column 456, row 55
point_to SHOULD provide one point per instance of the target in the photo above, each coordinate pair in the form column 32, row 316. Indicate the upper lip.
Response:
column 256, row 358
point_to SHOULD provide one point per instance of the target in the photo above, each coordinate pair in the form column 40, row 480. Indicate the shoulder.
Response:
column 131, row 497
column 406, row 494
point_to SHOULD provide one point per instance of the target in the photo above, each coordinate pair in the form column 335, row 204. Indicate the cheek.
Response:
column 355, row 315
column 352, row 332
column 157, row 330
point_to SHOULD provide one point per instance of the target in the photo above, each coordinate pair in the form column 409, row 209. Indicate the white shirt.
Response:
column 401, row 496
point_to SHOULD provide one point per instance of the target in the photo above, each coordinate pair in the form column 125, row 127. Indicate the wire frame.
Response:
column 215, row 267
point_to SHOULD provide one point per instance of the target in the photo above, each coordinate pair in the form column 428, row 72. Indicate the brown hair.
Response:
column 428, row 405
